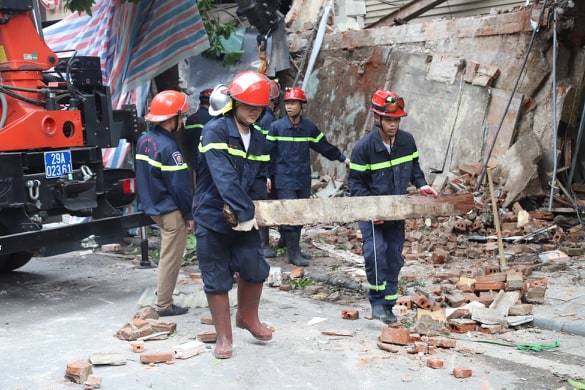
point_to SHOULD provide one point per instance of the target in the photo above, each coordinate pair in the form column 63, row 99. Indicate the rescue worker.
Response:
column 165, row 190
column 232, row 153
column 194, row 126
column 385, row 162
column 263, row 186
column 290, row 140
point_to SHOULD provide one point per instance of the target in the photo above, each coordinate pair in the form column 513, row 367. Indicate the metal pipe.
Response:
column 4, row 103
column 317, row 44
column 554, row 109
column 577, row 147
column 37, row 18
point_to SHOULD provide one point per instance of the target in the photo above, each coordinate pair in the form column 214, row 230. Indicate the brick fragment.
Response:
column 284, row 287
column 387, row 347
column 350, row 314
column 78, row 371
column 492, row 329
column 462, row 325
column 462, row 373
column 395, row 335
column 408, row 278
column 415, row 337
column 487, row 286
column 421, row 347
column 206, row 320
column 195, row 276
column 157, row 357
column 139, row 322
column 110, row 248
column 297, row 273
column 455, row 299
column 422, row 302
column 520, row 310
column 92, row 382
column 137, row 346
column 404, row 301
column 440, row 256
column 207, row 337
column 147, row 313
column 163, row 326
column 435, row 363
column 441, row 342
column 514, row 280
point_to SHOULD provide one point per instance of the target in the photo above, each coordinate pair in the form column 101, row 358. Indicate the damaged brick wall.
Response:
column 455, row 74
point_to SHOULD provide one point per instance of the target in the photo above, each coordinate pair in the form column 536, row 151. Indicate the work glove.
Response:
column 347, row 162
column 428, row 191
column 246, row 226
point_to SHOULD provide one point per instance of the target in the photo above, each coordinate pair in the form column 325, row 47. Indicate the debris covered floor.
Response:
column 67, row 308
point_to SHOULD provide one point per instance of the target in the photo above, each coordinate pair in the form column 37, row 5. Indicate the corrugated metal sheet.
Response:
column 377, row 9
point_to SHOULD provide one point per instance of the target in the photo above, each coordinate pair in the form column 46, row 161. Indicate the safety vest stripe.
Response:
column 295, row 139
column 384, row 164
column 159, row 165
column 233, row 152
column 391, row 297
column 380, row 287
column 261, row 130
column 195, row 126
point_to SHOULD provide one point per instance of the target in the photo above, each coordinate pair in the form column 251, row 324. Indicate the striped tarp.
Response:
column 135, row 42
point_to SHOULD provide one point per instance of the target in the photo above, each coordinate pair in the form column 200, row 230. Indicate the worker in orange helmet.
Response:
column 165, row 190
column 232, row 156
column 385, row 162
column 290, row 140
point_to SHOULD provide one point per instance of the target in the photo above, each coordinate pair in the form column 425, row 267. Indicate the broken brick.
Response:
column 147, row 313
column 466, row 284
column 111, row 248
column 488, row 286
column 422, row 302
column 492, row 329
column 78, row 371
column 415, row 337
column 139, row 322
column 435, row 363
column 387, row 347
column 206, row 320
column 535, row 290
column 441, row 342
column 285, row 287
column 395, row 335
column 440, row 256
column 297, row 273
column 92, row 382
column 462, row 373
column 421, row 347
column 163, row 326
column 157, row 357
column 459, row 313
column 408, row 278
column 350, row 314
column 207, row 337
column 455, row 299
column 514, row 280
column 404, row 301
column 462, row 325
column 137, row 346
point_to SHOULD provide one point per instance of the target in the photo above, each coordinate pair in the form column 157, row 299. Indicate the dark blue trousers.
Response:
column 304, row 193
column 389, row 241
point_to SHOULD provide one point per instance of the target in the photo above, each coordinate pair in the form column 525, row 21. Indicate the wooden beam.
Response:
column 351, row 209
column 407, row 12
column 432, row 30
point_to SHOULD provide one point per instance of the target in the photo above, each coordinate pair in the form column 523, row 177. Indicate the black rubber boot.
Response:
column 281, row 242
column 390, row 317
column 293, row 249
column 267, row 251
column 383, row 313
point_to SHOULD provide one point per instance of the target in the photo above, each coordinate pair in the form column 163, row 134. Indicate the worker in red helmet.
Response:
column 385, row 162
column 165, row 190
column 262, row 189
column 290, row 140
column 232, row 155
column 193, row 126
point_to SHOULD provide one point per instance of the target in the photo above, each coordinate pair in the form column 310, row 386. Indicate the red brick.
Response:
column 163, row 326
column 440, row 256
column 414, row 337
column 396, row 335
column 462, row 373
column 111, row 248
column 92, row 382
column 207, row 337
column 206, row 320
column 404, row 301
column 350, row 314
column 462, row 325
column 487, row 286
column 408, row 278
column 147, row 313
column 157, row 357
column 492, row 329
column 137, row 346
column 78, row 371
column 284, row 287
column 139, row 322
column 420, row 346
column 435, row 363
column 297, row 273
column 422, row 302
column 387, row 347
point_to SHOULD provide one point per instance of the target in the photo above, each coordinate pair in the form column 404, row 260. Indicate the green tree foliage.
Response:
column 85, row 5
column 215, row 29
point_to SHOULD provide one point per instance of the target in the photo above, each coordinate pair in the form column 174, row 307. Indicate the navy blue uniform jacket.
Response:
column 162, row 177
column 226, row 173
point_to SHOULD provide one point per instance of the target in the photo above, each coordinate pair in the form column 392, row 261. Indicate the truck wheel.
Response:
column 13, row 261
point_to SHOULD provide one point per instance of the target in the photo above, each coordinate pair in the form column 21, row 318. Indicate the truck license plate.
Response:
column 58, row 164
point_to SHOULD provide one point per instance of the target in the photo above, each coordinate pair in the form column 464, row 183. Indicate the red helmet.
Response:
column 388, row 103
column 274, row 90
column 167, row 104
column 251, row 88
column 295, row 93
column 205, row 94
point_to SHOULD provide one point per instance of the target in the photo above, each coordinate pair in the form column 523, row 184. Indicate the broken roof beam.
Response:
column 351, row 209
column 407, row 12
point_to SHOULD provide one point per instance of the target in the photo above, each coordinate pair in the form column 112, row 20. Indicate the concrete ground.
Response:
column 64, row 308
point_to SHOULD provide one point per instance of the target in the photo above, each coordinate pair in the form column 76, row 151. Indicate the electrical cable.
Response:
column 23, row 98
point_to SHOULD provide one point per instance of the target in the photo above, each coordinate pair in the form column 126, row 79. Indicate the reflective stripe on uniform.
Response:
column 261, row 130
column 391, row 297
column 295, row 139
column 233, row 151
column 159, row 165
column 195, row 126
column 380, row 287
column 384, row 164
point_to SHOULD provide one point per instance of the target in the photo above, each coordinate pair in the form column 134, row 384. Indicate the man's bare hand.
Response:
column 190, row 226
column 428, row 191
column 269, row 185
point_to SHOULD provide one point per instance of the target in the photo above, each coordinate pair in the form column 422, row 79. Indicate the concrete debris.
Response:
column 155, row 336
column 430, row 322
column 147, row 313
column 315, row 321
column 275, row 277
column 519, row 320
column 78, row 371
column 92, row 382
column 523, row 309
column 159, row 326
column 188, row 350
column 107, row 359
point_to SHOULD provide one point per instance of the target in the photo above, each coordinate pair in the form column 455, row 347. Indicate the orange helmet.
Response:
column 167, row 104
column 388, row 103
column 295, row 93
column 274, row 90
column 251, row 88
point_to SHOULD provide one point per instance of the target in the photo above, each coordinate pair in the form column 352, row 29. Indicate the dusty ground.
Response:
column 65, row 308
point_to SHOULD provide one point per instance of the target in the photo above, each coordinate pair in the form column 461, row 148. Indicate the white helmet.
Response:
column 219, row 100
